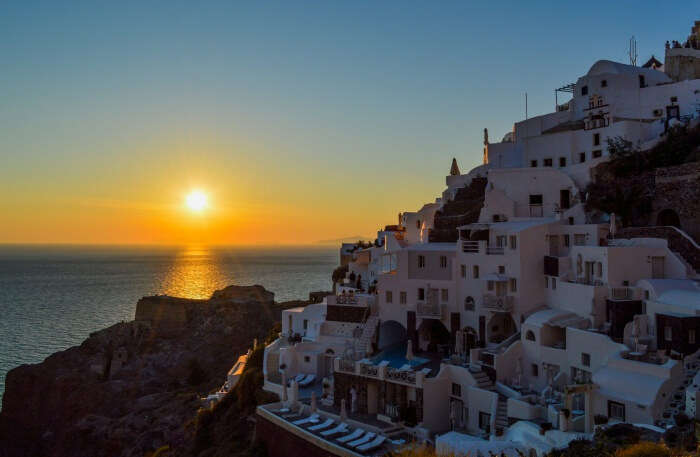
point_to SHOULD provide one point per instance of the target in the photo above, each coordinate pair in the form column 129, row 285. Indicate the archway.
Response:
column 390, row 333
column 668, row 217
column 500, row 327
column 432, row 335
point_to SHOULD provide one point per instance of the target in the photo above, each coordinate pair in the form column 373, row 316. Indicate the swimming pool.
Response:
column 396, row 356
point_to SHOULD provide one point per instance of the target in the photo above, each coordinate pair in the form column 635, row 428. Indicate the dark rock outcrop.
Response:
column 134, row 387
column 463, row 209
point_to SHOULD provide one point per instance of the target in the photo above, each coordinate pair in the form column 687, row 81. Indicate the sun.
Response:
column 196, row 201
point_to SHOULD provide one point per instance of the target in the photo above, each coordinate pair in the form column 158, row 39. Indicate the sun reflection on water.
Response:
column 195, row 273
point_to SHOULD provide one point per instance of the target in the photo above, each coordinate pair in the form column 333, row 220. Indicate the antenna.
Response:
column 633, row 51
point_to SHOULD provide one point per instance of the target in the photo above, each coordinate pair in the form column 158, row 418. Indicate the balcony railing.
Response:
column 498, row 303
column 536, row 211
column 496, row 250
column 470, row 246
column 428, row 309
column 408, row 377
column 347, row 366
column 621, row 293
column 369, row 370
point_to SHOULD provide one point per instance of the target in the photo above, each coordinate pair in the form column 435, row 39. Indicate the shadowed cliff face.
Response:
column 133, row 387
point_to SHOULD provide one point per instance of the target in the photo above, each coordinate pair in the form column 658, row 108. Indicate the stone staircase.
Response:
column 364, row 344
column 502, row 413
column 679, row 242
column 483, row 381
column 676, row 401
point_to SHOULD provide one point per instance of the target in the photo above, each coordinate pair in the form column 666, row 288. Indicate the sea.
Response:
column 53, row 297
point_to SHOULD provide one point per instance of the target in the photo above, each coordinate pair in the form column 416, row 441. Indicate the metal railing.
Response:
column 347, row 366
column 470, row 247
column 621, row 293
column 369, row 370
column 408, row 377
column 496, row 250
column 498, row 303
column 428, row 309
column 536, row 211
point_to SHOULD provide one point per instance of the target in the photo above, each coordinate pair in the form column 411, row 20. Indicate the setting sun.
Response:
column 196, row 201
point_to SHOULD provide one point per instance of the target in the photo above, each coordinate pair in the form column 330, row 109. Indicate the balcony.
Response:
column 498, row 303
column 470, row 247
column 622, row 293
column 551, row 265
column 428, row 310
column 481, row 247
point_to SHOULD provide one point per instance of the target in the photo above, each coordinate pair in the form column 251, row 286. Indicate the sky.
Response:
column 301, row 121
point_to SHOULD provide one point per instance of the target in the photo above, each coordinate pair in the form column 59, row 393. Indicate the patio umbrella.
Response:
column 313, row 401
column 343, row 411
column 409, row 351
column 612, row 225
column 284, row 386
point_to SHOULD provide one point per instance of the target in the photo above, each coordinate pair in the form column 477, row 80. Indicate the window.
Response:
column 307, row 359
column 443, row 261
column 501, row 269
column 604, row 83
column 463, row 270
column 421, row 261
column 579, row 239
column 475, row 271
column 554, row 283
column 533, row 163
column 571, row 220
column 306, row 324
column 530, row 335
column 597, row 153
column 642, row 82
column 691, row 336
column 484, row 421
column 646, row 295
column 513, row 285
column 489, row 285
column 546, row 282
column 389, row 296
column 599, row 268
column 418, row 224
column 402, row 297
column 547, row 162
column 513, row 242
column 536, row 199
column 421, row 294
column 668, row 333
column 456, row 389
column 562, row 161
column 584, row 90
column 596, row 139
column 444, row 294
column 535, row 370
column 616, row 410
column 585, row 359
column 567, row 240
column 582, row 157
column 469, row 304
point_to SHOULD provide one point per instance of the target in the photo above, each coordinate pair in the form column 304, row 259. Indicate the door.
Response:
column 657, row 267
column 564, row 197
column 554, row 245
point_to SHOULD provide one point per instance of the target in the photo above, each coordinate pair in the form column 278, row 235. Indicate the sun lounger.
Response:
column 326, row 424
column 369, row 436
column 398, row 442
column 353, row 436
column 341, row 428
column 378, row 441
column 282, row 411
column 308, row 380
column 306, row 420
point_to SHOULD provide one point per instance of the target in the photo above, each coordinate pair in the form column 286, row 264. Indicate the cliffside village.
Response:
column 503, row 316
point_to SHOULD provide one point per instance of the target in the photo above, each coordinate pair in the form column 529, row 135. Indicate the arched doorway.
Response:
column 433, row 335
column 500, row 327
column 668, row 217
column 390, row 334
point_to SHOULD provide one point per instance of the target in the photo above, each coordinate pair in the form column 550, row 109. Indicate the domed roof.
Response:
column 607, row 67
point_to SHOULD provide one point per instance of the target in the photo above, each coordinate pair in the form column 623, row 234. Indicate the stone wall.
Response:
column 279, row 442
column 678, row 189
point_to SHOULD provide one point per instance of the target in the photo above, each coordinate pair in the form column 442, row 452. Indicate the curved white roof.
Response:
column 678, row 292
column 631, row 386
column 606, row 67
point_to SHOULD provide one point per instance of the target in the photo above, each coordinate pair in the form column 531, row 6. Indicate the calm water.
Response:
column 52, row 297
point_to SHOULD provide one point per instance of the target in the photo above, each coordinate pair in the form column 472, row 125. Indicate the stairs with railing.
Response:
column 679, row 243
column 502, row 413
column 364, row 344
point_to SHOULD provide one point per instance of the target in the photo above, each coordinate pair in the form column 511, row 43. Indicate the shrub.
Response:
column 644, row 449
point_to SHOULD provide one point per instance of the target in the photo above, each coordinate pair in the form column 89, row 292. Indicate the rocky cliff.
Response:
column 133, row 388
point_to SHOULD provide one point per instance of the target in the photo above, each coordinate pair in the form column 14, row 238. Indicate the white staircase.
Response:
column 364, row 344
column 483, row 381
column 502, row 413
column 675, row 402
